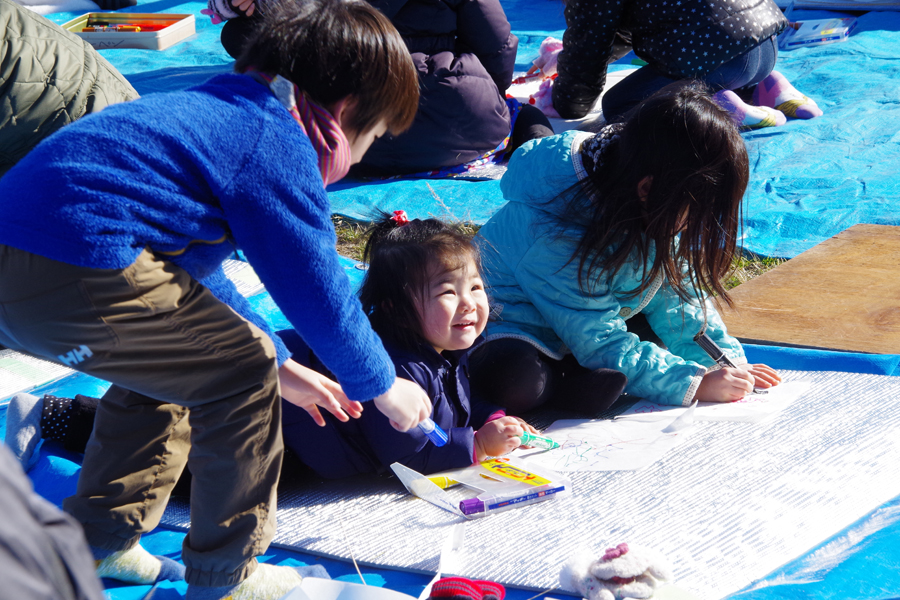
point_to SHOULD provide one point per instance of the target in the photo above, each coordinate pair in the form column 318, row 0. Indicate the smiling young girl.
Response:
column 425, row 298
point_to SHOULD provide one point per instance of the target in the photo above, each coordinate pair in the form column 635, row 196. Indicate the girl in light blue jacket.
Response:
column 605, row 254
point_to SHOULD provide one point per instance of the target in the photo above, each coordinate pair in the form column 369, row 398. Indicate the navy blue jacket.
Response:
column 369, row 444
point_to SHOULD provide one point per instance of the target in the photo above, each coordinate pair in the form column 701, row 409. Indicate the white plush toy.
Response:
column 624, row 571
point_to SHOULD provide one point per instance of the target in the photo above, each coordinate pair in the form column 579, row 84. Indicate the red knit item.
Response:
column 460, row 588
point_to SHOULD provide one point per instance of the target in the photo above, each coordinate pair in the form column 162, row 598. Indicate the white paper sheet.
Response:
column 604, row 445
column 753, row 408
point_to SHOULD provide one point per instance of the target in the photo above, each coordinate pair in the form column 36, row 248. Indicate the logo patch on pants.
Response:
column 75, row 356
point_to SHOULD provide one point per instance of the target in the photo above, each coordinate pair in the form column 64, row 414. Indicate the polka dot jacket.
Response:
column 680, row 38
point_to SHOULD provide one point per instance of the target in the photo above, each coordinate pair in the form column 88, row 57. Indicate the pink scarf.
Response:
column 318, row 124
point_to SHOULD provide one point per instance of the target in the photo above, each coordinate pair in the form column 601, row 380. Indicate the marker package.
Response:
column 504, row 483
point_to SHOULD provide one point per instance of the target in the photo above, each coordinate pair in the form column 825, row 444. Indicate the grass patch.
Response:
column 746, row 269
column 350, row 236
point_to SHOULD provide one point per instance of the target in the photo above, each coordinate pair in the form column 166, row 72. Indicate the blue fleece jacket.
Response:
column 370, row 444
column 194, row 175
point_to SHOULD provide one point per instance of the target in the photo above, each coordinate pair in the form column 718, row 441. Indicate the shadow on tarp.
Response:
column 173, row 79
column 863, row 562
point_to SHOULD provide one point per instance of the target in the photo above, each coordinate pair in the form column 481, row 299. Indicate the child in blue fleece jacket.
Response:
column 112, row 235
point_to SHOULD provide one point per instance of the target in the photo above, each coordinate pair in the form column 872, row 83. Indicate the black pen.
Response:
column 711, row 348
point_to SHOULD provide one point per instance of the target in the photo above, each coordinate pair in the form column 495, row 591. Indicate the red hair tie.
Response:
column 400, row 218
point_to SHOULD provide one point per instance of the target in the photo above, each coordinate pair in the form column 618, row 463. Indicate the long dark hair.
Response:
column 332, row 49
column 697, row 160
column 403, row 257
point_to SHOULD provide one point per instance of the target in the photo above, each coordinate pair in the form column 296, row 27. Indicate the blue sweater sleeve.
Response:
column 412, row 448
column 279, row 215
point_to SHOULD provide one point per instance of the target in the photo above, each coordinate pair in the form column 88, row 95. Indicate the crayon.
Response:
column 111, row 28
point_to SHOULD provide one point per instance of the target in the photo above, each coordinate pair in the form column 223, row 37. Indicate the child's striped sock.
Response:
column 747, row 116
column 776, row 91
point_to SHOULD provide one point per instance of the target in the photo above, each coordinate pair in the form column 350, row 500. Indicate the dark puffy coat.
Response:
column 370, row 444
column 680, row 38
column 465, row 54
column 48, row 78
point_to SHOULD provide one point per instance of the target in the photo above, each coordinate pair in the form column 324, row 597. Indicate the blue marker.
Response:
column 434, row 433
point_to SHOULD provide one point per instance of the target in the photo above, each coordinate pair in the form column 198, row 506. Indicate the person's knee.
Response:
column 512, row 374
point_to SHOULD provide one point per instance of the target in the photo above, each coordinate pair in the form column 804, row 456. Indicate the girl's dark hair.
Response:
column 403, row 259
column 697, row 160
column 332, row 49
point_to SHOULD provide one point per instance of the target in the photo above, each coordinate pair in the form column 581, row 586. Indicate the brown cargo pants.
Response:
column 193, row 384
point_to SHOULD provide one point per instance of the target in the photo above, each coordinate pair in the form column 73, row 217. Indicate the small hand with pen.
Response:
column 764, row 376
column 733, row 383
column 498, row 437
column 526, row 428
column 725, row 385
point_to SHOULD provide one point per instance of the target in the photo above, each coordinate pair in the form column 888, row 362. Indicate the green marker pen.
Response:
column 538, row 441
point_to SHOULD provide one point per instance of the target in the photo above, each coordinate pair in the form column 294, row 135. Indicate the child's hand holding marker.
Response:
column 503, row 435
column 498, row 437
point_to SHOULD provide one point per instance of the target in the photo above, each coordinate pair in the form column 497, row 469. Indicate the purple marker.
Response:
column 498, row 502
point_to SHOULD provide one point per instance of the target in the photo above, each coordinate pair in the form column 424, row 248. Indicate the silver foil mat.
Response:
column 729, row 505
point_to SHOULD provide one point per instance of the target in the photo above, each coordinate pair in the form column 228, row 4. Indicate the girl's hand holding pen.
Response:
column 725, row 385
column 526, row 428
column 764, row 376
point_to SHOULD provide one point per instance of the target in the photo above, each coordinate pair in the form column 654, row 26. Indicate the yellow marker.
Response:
column 443, row 482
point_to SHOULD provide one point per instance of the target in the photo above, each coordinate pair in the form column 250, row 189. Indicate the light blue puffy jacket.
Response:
column 536, row 297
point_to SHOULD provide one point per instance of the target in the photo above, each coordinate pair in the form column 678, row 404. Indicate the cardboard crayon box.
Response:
column 816, row 32
column 132, row 30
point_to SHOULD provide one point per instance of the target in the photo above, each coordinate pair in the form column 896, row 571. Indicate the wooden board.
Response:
column 843, row 294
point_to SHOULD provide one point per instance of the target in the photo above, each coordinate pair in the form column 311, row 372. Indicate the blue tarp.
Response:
column 809, row 179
